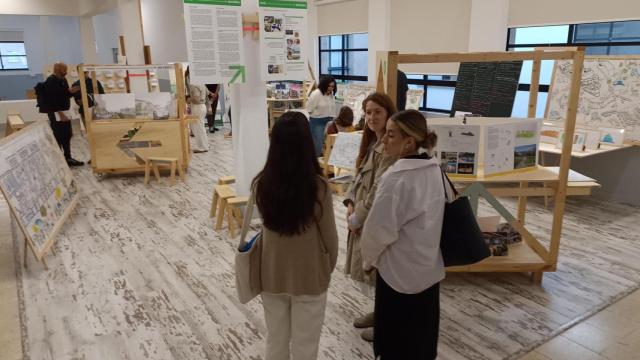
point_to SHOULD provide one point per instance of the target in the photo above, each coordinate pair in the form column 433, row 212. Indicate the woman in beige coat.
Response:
column 371, row 163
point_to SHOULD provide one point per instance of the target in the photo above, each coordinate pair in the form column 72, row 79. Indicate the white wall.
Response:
column 350, row 16
column 40, row 7
column 544, row 12
column 163, row 25
column 106, row 29
column 488, row 25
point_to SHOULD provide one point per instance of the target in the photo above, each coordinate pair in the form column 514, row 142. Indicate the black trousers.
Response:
column 214, row 105
column 406, row 326
column 62, row 132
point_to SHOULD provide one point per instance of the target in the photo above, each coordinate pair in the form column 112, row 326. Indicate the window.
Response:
column 606, row 38
column 13, row 56
column 438, row 91
column 345, row 57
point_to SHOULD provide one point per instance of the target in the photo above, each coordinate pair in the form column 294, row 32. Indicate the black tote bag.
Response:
column 461, row 241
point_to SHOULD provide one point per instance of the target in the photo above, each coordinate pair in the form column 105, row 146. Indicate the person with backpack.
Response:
column 78, row 97
column 53, row 96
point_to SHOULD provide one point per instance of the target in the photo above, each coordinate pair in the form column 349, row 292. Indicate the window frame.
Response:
column 7, row 56
column 425, row 82
column 570, row 42
column 343, row 50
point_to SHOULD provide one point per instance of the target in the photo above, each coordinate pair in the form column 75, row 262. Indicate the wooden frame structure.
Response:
column 530, row 255
column 105, row 135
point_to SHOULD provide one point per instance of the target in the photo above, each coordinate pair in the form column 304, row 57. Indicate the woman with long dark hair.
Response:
column 322, row 109
column 401, row 238
column 299, row 240
column 370, row 164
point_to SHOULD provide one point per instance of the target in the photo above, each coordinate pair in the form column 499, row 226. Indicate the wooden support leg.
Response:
column 26, row 250
column 536, row 277
column 237, row 214
column 221, row 213
column 231, row 221
column 156, row 172
column 172, row 177
column 147, row 171
column 181, row 171
column 214, row 204
column 522, row 203
column 44, row 262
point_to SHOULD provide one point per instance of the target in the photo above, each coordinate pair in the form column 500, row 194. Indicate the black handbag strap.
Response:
column 444, row 186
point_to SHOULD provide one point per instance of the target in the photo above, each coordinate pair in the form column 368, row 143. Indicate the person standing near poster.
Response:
column 197, row 103
column 322, row 109
column 56, row 93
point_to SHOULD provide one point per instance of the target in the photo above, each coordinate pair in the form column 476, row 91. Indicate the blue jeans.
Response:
column 317, row 132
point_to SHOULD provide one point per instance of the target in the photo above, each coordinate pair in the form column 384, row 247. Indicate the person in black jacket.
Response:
column 57, row 94
column 78, row 97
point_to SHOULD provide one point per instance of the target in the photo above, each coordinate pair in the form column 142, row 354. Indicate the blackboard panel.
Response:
column 487, row 88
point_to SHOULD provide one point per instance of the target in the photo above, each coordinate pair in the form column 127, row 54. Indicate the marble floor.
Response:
column 139, row 273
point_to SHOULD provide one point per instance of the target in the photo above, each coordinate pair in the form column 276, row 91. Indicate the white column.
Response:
column 379, row 33
column 131, row 29
column 249, row 113
column 314, row 52
column 87, row 36
column 488, row 25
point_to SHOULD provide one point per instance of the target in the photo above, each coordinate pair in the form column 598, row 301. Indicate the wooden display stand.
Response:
column 530, row 255
column 167, row 138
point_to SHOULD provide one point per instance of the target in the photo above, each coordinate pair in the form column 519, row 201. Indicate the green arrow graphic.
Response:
column 240, row 71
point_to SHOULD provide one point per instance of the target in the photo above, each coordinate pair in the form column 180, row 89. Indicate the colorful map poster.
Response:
column 37, row 184
column 283, row 39
column 214, row 41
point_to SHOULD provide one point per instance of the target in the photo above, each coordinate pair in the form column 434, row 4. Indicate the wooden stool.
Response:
column 234, row 215
column 221, row 194
column 153, row 162
column 225, row 180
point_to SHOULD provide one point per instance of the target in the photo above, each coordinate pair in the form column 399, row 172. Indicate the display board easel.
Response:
column 38, row 186
column 531, row 255
column 121, row 145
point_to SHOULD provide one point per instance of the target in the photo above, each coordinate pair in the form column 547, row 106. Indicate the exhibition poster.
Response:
column 457, row 148
column 283, row 39
column 37, row 183
column 214, row 40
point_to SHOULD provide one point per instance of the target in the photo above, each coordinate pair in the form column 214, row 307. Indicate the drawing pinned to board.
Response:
column 611, row 136
column 414, row 99
column 157, row 105
column 115, row 106
column 345, row 150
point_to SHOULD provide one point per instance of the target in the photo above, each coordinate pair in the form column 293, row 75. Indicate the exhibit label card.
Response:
column 214, row 41
column 458, row 148
column 283, row 39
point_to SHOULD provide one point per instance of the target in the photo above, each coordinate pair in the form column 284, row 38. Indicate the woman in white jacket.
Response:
column 401, row 238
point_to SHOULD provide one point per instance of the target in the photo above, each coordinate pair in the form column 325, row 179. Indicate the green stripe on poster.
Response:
column 288, row 4
column 214, row 2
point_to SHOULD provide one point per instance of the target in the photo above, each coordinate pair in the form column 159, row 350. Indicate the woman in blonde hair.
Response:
column 401, row 239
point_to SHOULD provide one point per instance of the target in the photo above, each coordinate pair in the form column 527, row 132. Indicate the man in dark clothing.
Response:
column 403, row 87
column 214, row 91
column 78, row 96
column 57, row 94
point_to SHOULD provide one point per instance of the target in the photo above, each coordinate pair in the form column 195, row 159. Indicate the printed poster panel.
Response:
column 345, row 150
column 214, row 40
column 283, row 39
column 354, row 94
column 37, row 183
column 511, row 146
column 609, row 95
column 458, row 148
column 414, row 99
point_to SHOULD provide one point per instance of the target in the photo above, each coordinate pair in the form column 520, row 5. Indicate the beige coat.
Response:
column 362, row 193
column 302, row 264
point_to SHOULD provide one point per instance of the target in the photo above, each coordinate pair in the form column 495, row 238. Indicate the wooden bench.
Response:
column 153, row 162
column 221, row 196
column 14, row 123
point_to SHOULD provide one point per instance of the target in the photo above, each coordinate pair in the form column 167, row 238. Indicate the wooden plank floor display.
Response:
column 139, row 273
